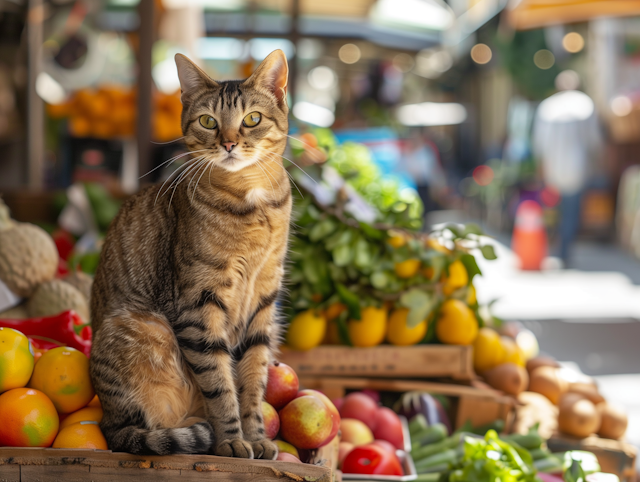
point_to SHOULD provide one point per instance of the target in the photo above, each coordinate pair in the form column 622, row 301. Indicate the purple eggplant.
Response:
column 413, row 403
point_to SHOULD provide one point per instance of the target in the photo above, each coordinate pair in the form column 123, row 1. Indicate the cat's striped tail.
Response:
column 194, row 439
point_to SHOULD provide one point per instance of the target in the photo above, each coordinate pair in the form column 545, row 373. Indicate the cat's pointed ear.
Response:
column 272, row 74
column 192, row 78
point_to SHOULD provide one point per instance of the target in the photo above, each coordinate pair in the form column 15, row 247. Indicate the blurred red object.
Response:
column 529, row 241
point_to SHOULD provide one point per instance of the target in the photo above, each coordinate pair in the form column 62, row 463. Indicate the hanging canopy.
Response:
column 528, row 14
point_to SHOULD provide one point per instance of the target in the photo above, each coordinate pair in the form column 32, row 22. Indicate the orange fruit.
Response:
column 396, row 239
column 80, row 126
column 29, row 419
column 63, row 375
column 309, row 140
column 334, row 311
column 81, row 435
column 86, row 414
column 16, row 359
column 408, row 268
column 434, row 244
column 95, row 402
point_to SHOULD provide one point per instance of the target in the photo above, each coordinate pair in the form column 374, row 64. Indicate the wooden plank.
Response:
column 9, row 473
column 420, row 361
column 46, row 465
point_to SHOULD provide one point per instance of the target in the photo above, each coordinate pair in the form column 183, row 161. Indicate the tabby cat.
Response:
column 183, row 302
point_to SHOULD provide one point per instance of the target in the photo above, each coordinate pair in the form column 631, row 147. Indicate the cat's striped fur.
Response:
column 183, row 302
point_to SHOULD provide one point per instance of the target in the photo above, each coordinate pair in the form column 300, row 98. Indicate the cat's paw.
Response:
column 265, row 449
column 235, row 448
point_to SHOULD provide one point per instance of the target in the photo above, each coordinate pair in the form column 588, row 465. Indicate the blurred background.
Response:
column 521, row 116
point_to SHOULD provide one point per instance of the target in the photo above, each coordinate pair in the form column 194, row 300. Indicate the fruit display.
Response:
column 110, row 112
column 363, row 274
column 32, row 268
column 49, row 401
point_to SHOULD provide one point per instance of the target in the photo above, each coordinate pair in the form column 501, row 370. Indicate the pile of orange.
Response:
column 110, row 112
column 48, row 403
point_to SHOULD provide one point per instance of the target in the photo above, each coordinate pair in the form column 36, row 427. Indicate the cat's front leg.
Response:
column 253, row 357
column 202, row 339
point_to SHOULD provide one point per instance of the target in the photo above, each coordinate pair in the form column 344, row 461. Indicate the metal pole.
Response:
column 295, row 36
column 145, row 46
column 35, row 105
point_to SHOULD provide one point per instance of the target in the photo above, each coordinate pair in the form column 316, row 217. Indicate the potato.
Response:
column 541, row 361
column 613, row 421
column 508, row 377
column 578, row 416
column 546, row 381
column 587, row 391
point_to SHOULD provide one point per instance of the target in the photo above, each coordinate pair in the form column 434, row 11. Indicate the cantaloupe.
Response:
column 56, row 296
column 28, row 255
column 82, row 282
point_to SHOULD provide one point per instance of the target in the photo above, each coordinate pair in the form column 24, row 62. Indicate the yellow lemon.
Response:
column 397, row 240
column 398, row 333
column 370, row 329
column 457, row 325
column 457, row 278
column 408, row 268
column 511, row 353
column 306, row 330
column 434, row 244
column 487, row 350
column 471, row 296
column 16, row 359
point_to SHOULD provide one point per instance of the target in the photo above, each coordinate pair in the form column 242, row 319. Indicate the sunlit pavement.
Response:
column 589, row 315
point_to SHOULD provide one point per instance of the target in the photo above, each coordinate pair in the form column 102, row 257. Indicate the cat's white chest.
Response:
column 256, row 195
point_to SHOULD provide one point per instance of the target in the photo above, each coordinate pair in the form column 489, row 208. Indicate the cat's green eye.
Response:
column 208, row 122
column 252, row 119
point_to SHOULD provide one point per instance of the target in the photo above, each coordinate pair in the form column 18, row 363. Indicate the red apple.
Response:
column 335, row 415
column 337, row 402
column 383, row 444
column 282, row 386
column 287, row 447
column 271, row 421
column 306, row 422
column 389, row 427
column 287, row 457
column 343, row 450
column 375, row 395
column 361, row 407
column 355, row 432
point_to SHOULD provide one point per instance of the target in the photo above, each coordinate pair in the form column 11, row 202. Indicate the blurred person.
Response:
column 421, row 161
column 567, row 141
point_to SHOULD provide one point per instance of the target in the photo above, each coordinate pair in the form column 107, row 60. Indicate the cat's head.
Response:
column 237, row 122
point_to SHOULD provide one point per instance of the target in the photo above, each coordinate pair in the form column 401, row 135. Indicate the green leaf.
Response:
column 472, row 228
column 351, row 300
column 362, row 254
column 488, row 252
column 420, row 304
column 455, row 230
column 342, row 255
column 323, row 229
column 337, row 239
column 343, row 328
column 379, row 280
column 471, row 265
column 371, row 231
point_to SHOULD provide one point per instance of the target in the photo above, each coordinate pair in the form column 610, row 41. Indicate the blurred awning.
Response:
column 528, row 14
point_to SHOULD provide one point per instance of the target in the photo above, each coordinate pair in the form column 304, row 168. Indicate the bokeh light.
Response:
column 481, row 54
column 621, row 106
column 483, row 175
column 403, row 62
column 544, row 59
column 573, row 42
column 349, row 53
column 322, row 78
column 567, row 80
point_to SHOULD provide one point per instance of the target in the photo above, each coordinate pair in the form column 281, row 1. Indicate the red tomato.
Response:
column 371, row 459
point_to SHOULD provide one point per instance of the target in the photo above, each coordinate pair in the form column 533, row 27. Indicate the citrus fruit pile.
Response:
column 48, row 403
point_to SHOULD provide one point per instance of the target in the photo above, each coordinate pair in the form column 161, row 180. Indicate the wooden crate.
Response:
column 49, row 465
column 477, row 405
column 615, row 457
column 419, row 361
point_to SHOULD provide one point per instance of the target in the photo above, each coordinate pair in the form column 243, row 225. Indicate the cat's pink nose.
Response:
column 229, row 145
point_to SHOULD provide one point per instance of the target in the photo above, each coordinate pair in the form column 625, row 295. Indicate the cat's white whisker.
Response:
column 169, row 178
column 175, row 158
column 265, row 175
column 168, row 142
column 193, row 195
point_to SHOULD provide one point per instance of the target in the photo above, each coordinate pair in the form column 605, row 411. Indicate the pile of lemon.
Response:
column 49, row 402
